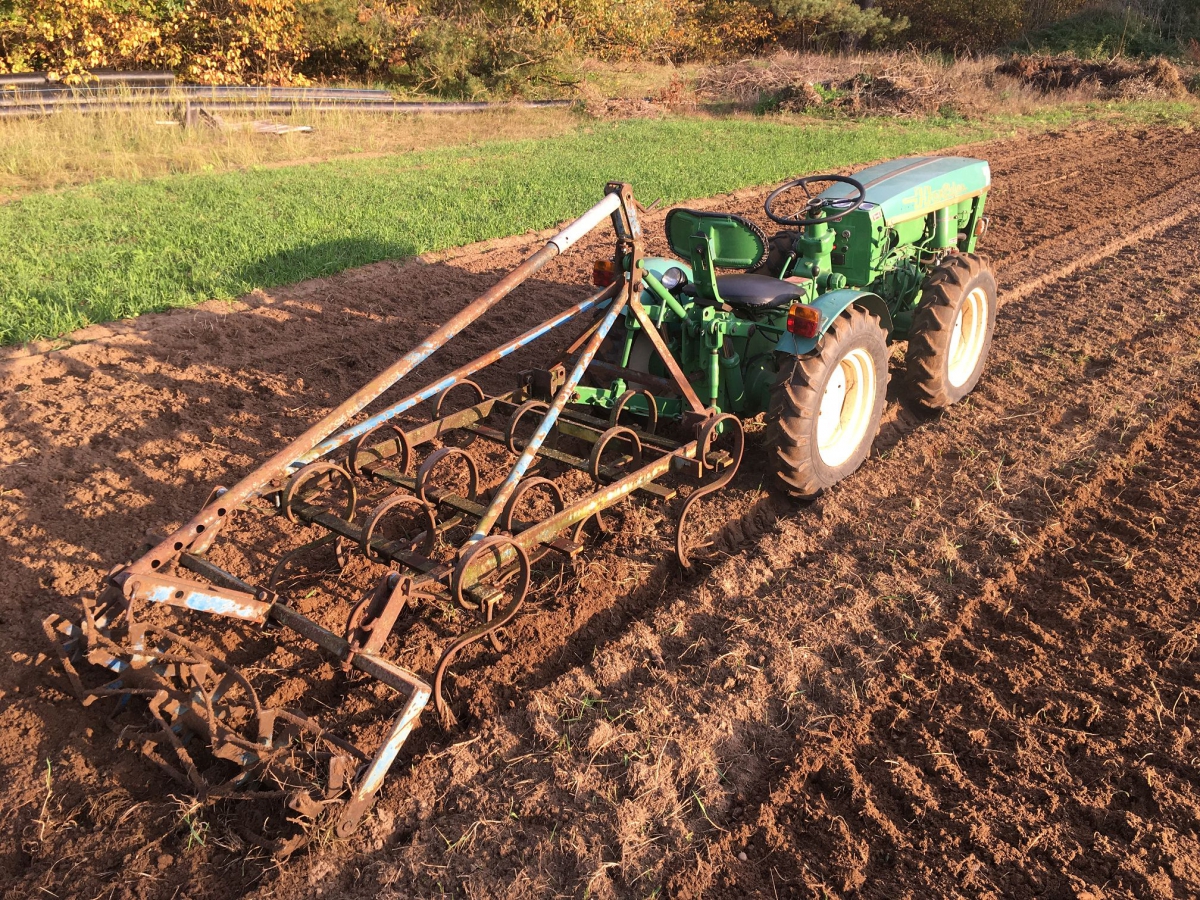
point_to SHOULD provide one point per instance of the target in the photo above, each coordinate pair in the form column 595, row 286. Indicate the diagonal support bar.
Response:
column 500, row 498
column 664, row 353
column 198, row 533
column 454, row 377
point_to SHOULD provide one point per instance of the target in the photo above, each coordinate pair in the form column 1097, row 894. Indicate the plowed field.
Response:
column 967, row 671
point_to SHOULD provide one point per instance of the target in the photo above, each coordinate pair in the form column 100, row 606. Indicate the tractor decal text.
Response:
column 926, row 198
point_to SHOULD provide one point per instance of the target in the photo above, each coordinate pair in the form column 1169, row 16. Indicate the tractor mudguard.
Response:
column 831, row 305
column 657, row 266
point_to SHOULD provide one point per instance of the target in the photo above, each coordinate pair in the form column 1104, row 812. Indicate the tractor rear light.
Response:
column 603, row 273
column 803, row 321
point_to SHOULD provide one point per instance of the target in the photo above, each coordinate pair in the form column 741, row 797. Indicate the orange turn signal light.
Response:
column 803, row 321
column 603, row 273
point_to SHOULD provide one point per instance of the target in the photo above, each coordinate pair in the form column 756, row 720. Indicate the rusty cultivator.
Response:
column 457, row 511
column 432, row 527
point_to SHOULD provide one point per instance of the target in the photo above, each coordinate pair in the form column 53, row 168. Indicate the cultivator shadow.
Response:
column 435, row 532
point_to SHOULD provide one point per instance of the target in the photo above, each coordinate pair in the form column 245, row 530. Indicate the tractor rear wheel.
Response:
column 951, row 331
column 825, row 406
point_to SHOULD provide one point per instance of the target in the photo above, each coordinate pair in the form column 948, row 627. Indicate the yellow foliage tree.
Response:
column 208, row 41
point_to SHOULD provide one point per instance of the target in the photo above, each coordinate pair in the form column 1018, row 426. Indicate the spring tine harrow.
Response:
column 385, row 489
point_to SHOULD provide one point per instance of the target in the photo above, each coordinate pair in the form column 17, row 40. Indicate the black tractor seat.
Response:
column 757, row 292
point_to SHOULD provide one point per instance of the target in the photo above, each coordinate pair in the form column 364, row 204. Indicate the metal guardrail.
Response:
column 51, row 94
column 189, row 109
column 98, row 77
column 34, row 95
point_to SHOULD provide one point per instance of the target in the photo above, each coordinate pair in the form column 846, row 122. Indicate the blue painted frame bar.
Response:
column 561, row 399
column 465, row 371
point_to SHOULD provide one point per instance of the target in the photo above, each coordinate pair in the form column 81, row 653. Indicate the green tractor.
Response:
column 449, row 515
column 802, row 332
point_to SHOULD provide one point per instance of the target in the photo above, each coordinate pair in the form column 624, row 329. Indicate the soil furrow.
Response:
column 640, row 734
column 1111, row 369
column 1002, row 703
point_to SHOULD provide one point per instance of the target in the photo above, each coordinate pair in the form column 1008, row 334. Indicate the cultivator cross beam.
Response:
column 207, row 725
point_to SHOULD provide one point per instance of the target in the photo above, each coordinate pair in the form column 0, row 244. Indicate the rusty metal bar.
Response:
column 463, row 418
column 625, row 224
column 582, row 420
column 157, row 588
column 414, row 688
column 432, row 572
column 422, row 434
column 579, row 511
column 339, row 526
column 656, row 383
column 585, row 507
column 683, row 386
column 457, row 375
column 198, row 533
column 574, row 462
column 368, row 786
column 215, row 573
column 502, row 493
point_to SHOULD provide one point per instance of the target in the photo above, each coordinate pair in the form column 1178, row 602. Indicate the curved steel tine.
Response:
column 614, row 417
column 709, row 432
column 399, row 498
column 505, row 522
column 431, row 463
column 617, row 431
column 359, row 443
column 492, row 543
column 311, row 471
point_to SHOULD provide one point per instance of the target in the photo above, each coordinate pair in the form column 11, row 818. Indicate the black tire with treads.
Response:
column 791, row 433
column 944, row 293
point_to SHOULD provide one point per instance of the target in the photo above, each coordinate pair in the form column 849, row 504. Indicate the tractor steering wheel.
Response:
column 817, row 204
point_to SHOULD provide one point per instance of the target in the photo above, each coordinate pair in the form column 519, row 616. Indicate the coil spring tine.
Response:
column 708, row 433
column 493, row 543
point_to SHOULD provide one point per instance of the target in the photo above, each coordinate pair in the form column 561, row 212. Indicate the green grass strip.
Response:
column 111, row 250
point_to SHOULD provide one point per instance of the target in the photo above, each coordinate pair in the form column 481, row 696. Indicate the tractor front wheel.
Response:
column 951, row 331
column 825, row 406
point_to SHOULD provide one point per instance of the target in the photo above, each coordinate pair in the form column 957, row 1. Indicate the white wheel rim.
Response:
column 846, row 407
column 966, row 341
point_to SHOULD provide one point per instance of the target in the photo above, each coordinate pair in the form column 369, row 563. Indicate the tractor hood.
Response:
column 906, row 189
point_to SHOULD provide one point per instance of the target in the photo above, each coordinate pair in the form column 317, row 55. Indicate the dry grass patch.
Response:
column 1113, row 78
column 72, row 148
column 908, row 84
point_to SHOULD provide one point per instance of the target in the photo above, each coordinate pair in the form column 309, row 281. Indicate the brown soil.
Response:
column 966, row 671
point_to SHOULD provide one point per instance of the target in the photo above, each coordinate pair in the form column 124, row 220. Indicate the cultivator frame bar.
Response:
column 198, row 701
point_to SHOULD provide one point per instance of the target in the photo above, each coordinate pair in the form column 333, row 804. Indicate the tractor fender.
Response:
column 656, row 266
column 831, row 305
